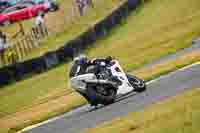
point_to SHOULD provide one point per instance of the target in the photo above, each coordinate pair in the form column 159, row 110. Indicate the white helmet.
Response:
column 81, row 56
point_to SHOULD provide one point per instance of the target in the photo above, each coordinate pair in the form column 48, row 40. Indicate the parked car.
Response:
column 4, row 4
column 53, row 5
column 21, row 12
column 14, row 2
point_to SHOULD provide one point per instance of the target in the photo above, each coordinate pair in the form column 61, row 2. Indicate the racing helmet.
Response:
column 82, row 59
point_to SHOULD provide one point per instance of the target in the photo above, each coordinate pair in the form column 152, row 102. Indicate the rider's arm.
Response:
column 91, row 62
column 95, row 60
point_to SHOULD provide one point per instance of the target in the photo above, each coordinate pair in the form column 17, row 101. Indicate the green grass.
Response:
column 16, row 96
column 176, row 115
column 158, row 28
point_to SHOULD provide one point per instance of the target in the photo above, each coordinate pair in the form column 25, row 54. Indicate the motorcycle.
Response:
column 103, row 83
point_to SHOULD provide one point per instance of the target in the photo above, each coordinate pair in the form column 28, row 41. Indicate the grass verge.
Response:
column 39, row 113
column 179, row 114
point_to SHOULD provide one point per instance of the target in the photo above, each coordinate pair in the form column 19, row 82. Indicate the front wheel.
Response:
column 137, row 83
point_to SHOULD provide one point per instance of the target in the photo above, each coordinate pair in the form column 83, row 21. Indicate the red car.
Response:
column 21, row 12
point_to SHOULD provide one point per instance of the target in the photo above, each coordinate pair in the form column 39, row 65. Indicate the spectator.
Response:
column 81, row 6
column 40, row 25
column 3, row 46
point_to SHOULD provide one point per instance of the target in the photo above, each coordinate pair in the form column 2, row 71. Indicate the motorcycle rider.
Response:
column 100, row 80
column 81, row 63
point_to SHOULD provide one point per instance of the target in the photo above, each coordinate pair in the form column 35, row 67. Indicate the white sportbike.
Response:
column 104, row 85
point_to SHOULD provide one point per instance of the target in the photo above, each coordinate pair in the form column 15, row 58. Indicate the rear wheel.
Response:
column 54, row 7
column 137, row 83
column 101, row 95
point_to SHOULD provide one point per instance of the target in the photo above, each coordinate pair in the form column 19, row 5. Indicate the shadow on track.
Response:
column 84, row 110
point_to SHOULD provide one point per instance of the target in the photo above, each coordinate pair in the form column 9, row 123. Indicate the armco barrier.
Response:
column 51, row 59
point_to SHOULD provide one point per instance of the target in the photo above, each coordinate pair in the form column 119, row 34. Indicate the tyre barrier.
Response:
column 51, row 59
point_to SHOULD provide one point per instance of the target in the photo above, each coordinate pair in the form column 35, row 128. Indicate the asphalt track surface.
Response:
column 157, row 90
column 194, row 47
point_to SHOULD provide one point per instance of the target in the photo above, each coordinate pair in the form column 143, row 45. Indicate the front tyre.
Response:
column 137, row 83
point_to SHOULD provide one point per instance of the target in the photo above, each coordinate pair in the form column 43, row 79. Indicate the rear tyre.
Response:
column 97, row 97
column 137, row 83
column 54, row 7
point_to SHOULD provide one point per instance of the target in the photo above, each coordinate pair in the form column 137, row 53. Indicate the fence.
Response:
column 51, row 59
column 22, row 47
